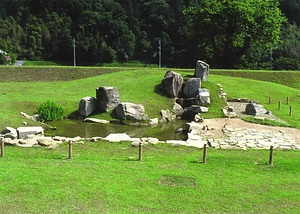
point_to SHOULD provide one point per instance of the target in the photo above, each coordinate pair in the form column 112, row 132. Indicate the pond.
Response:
column 73, row 128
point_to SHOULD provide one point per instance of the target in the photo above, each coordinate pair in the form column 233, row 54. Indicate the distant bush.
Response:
column 50, row 110
column 283, row 63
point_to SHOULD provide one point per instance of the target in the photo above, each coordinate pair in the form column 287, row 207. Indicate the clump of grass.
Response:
column 50, row 110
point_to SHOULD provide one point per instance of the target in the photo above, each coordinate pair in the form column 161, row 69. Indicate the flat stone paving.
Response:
column 236, row 138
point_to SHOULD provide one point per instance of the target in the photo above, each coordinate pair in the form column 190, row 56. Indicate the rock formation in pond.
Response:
column 87, row 106
column 107, row 98
column 189, row 94
column 127, row 110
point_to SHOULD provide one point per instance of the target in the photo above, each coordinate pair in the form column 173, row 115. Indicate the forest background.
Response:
column 251, row 34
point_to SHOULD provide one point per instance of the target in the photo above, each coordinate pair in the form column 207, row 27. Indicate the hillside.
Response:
column 22, row 89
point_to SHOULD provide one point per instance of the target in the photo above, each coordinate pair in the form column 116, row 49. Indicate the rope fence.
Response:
column 140, row 151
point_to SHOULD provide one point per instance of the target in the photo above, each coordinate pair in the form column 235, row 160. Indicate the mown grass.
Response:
column 106, row 177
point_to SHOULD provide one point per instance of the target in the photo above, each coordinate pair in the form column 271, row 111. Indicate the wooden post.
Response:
column 291, row 110
column 279, row 104
column 271, row 155
column 2, row 147
column 140, row 151
column 70, row 149
column 287, row 100
column 270, row 100
column 204, row 153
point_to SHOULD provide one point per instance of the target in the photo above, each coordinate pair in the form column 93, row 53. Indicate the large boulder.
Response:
column 23, row 132
column 192, row 87
column 107, row 98
column 172, row 83
column 202, row 70
column 127, row 110
column 87, row 106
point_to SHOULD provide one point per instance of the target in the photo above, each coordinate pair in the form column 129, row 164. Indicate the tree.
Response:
column 222, row 31
column 291, row 9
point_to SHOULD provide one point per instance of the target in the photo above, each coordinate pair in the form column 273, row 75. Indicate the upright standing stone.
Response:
column 192, row 87
column 107, row 98
column 172, row 83
column 202, row 70
column 87, row 106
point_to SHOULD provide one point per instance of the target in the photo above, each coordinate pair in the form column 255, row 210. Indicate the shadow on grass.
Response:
column 159, row 91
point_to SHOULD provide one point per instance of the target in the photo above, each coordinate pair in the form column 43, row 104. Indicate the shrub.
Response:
column 283, row 63
column 50, row 110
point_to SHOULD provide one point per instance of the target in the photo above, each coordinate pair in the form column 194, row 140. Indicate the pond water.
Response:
column 73, row 128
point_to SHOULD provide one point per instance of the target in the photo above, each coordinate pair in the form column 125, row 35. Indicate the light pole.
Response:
column 159, row 53
column 271, row 58
column 74, row 51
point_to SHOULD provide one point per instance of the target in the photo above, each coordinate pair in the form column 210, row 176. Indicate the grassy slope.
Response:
column 261, row 91
column 105, row 177
column 134, row 85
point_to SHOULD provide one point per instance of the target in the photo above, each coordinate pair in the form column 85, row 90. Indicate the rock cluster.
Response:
column 189, row 94
column 108, row 98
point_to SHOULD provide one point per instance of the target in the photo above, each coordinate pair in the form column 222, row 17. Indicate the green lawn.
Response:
column 106, row 177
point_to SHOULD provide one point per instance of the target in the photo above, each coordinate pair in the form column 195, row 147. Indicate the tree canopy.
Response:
column 225, row 33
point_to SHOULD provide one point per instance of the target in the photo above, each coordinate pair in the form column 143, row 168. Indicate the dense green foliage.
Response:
column 50, row 110
column 224, row 33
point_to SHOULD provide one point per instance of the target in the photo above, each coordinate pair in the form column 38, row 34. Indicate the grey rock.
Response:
column 153, row 121
column 87, row 106
column 202, row 70
column 204, row 96
column 192, row 87
column 254, row 109
column 198, row 118
column 167, row 115
column 172, row 83
column 177, row 109
column 117, row 137
column 94, row 120
column 45, row 141
column 9, row 132
column 127, row 110
column 107, row 98
column 23, row 132
column 197, row 109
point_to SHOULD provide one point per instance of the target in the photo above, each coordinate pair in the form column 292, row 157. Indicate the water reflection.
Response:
column 73, row 128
